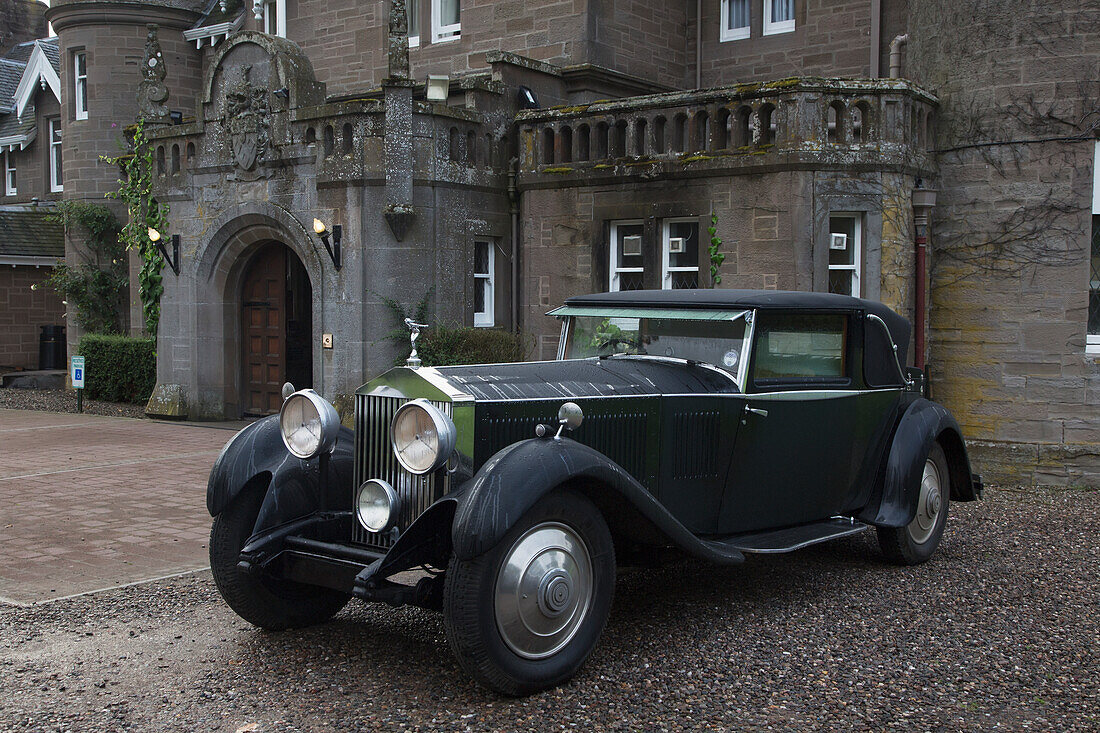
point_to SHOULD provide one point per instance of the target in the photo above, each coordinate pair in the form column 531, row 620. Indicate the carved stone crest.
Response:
column 152, row 95
column 245, row 120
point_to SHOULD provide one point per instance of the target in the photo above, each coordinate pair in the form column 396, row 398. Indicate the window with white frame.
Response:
column 56, row 184
column 1092, row 340
column 9, row 174
column 627, row 266
column 445, row 20
column 80, row 84
column 275, row 17
column 484, row 283
column 412, row 10
column 735, row 20
column 845, row 252
column 680, row 254
column 778, row 16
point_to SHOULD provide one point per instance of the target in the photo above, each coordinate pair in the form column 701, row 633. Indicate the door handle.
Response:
column 756, row 411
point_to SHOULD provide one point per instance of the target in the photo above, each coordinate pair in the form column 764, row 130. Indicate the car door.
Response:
column 805, row 427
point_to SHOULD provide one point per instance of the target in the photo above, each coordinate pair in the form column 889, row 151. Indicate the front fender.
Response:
column 923, row 423
column 256, row 455
column 516, row 477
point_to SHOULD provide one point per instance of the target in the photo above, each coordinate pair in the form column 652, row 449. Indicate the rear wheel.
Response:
column 266, row 602
column 525, row 616
column 918, row 540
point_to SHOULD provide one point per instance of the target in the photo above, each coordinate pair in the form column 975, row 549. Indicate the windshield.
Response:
column 719, row 343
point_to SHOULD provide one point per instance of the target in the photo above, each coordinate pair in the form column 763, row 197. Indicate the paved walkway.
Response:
column 91, row 502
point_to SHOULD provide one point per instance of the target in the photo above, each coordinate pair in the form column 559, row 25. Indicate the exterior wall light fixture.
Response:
column 173, row 260
column 438, row 87
column 333, row 249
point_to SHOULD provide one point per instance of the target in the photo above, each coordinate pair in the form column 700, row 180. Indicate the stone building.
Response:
column 30, row 162
column 510, row 154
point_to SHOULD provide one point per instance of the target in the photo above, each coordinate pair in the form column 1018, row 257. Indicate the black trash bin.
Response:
column 51, row 348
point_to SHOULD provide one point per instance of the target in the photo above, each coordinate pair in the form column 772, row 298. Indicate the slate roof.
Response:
column 21, row 53
column 10, row 74
column 53, row 52
column 12, row 126
column 25, row 232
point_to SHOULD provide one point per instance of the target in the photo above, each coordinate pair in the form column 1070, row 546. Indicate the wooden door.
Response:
column 264, row 331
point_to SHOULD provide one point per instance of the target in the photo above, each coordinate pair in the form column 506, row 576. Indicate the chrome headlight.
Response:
column 309, row 424
column 423, row 438
column 376, row 505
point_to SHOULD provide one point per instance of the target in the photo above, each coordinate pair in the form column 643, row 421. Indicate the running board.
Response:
column 789, row 539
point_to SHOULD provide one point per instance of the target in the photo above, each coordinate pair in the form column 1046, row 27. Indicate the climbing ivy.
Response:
column 716, row 257
column 94, row 288
column 136, row 189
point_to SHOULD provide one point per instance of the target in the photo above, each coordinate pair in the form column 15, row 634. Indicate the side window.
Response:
column 446, row 20
column 80, row 84
column 56, row 184
column 484, row 284
column 680, row 254
column 412, row 10
column 627, row 265
column 10, row 188
column 797, row 349
column 275, row 17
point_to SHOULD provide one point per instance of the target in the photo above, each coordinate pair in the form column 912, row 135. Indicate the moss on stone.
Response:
column 559, row 171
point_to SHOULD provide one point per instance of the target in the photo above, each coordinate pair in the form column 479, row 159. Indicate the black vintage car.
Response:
column 712, row 423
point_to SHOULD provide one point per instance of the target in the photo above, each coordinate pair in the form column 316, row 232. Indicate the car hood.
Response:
column 608, row 377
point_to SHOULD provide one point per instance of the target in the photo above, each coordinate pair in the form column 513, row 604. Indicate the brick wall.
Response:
column 1011, row 232
column 22, row 311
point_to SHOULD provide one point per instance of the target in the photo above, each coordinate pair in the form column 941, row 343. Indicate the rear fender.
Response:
column 510, row 483
column 257, row 457
column 923, row 423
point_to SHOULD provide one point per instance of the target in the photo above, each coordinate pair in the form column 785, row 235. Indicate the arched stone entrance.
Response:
column 276, row 327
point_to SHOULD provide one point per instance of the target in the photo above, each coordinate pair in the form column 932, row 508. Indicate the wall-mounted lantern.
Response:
column 333, row 249
column 173, row 260
column 438, row 87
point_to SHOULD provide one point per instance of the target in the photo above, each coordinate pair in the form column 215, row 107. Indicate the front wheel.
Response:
column 525, row 616
column 915, row 542
column 267, row 602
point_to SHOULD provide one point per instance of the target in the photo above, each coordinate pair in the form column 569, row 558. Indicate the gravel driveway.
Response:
column 999, row 631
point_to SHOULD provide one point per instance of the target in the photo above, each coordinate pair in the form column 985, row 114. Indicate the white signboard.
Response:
column 78, row 372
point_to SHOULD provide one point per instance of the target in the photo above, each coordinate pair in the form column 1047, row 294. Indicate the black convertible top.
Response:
column 759, row 299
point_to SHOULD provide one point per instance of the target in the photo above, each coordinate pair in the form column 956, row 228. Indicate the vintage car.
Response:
column 709, row 423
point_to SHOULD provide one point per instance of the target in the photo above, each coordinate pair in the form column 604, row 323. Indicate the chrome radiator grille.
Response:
column 374, row 459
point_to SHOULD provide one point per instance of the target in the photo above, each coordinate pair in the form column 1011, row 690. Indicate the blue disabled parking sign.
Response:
column 78, row 372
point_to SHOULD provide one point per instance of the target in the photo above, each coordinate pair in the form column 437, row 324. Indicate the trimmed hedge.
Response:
column 119, row 368
column 442, row 346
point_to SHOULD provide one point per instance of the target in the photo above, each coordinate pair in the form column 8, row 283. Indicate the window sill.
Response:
column 446, row 39
column 737, row 34
column 778, row 28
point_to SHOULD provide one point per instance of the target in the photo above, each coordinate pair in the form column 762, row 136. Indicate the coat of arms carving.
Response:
column 245, row 120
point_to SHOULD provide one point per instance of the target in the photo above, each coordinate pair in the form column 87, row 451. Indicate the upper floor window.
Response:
column 9, row 175
column 680, row 254
column 735, row 19
column 80, row 84
column 778, row 16
column 275, row 17
column 845, row 252
column 445, row 20
column 413, row 12
column 484, row 284
column 55, row 156
column 627, row 261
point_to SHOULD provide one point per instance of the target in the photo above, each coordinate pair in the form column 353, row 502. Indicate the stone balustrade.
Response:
column 792, row 120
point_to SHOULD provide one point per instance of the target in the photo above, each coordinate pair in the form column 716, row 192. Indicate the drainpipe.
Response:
column 876, row 38
column 513, row 199
column 895, row 54
column 924, row 199
column 698, row 43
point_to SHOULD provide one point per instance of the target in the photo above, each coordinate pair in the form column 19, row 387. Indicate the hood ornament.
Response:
column 413, row 362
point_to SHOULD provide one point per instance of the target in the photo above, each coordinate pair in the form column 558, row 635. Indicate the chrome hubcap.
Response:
column 543, row 590
column 929, row 504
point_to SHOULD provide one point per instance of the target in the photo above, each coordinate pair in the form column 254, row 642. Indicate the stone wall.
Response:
column 22, row 311
column 21, row 20
column 1011, row 231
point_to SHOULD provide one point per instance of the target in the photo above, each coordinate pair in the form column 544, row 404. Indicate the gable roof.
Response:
column 25, row 232
column 10, row 74
column 43, row 67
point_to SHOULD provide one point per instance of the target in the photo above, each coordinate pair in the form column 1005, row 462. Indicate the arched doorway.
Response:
column 276, row 328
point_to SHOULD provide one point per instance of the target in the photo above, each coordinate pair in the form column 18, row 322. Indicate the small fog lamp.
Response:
column 376, row 505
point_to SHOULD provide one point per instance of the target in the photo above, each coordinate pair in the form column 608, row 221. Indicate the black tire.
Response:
column 916, row 542
column 266, row 602
column 472, row 610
